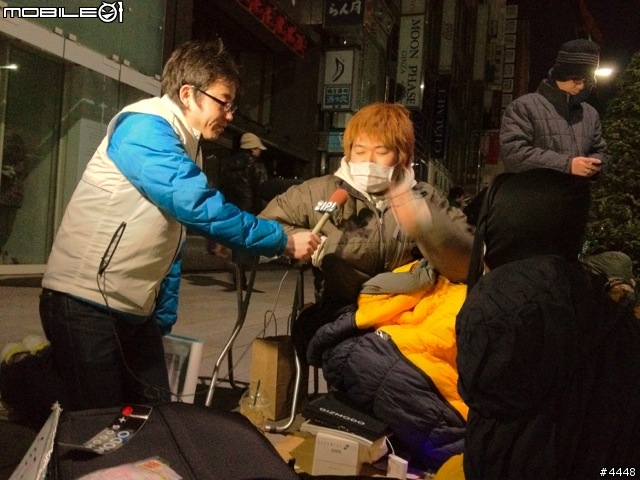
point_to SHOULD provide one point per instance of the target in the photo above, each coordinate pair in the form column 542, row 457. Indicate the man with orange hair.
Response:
column 364, row 238
column 384, row 372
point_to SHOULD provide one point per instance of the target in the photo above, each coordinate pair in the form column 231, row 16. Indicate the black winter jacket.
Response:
column 549, row 368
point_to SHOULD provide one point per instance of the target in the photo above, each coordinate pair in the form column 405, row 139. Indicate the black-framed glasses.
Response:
column 227, row 107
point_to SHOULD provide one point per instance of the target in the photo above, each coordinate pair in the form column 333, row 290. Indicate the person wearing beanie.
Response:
column 547, row 361
column 554, row 127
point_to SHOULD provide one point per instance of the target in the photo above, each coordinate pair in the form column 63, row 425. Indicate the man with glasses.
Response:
column 554, row 127
column 110, row 289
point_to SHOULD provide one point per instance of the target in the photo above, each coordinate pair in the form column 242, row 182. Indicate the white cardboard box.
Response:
column 335, row 455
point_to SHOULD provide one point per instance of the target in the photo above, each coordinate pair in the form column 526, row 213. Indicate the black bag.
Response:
column 18, row 382
column 197, row 442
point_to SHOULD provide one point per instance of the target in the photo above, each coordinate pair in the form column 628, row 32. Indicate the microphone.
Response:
column 338, row 199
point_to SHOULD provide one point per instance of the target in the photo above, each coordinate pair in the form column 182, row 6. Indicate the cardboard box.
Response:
column 335, row 455
column 304, row 455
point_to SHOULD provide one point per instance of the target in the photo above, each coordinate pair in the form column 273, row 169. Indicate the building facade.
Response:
column 307, row 66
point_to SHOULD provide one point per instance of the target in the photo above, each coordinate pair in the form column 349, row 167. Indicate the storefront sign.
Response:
column 411, row 7
column 343, row 13
column 409, row 71
column 334, row 142
column 338, row 79
column 439, row 132
column 446, row 36
column 278, row 23
column 337, row 98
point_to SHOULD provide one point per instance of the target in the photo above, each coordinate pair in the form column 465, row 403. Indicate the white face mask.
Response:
column 371, row 177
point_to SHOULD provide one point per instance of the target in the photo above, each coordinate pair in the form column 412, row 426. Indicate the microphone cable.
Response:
column 269, row 317
column 152, row 392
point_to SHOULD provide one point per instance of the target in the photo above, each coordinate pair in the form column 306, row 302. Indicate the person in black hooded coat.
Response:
column 548, row 364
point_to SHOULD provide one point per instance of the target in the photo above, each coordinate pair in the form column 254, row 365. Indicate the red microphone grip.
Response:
column 338, row 199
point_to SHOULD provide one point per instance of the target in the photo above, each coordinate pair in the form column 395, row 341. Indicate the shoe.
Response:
column 34, row 343
column 12, row 349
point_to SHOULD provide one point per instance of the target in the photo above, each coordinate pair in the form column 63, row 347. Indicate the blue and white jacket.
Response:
column 120, row 239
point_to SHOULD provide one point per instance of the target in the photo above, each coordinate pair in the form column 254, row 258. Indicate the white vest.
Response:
column 102, row 201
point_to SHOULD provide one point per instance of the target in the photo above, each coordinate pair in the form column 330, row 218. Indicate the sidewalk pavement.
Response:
column 208, row 310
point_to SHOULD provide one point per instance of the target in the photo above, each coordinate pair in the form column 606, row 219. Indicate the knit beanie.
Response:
column 576, row 59
column 535, row 212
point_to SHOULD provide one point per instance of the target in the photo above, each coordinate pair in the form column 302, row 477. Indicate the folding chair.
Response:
column 267, row 190
column 243, row 305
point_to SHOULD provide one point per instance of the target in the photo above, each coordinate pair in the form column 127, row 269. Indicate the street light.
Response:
column 11, row 66
column 604, row 72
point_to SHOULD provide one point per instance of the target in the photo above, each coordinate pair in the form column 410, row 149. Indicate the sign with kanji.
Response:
column 337, row 98
column 277, row 21
column 343, row 13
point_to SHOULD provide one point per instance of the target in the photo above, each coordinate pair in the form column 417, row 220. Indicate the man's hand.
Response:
column 445, row 243
column 411, row 211
column 301, row 245
column 585, row 166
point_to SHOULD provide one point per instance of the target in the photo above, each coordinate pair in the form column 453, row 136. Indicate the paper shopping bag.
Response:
column 273, row 364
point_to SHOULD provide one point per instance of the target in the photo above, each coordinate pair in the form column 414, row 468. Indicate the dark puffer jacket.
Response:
column 548, row 129
column 549, row 368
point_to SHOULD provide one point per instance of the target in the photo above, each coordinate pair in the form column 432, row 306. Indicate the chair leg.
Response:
column 243, row 306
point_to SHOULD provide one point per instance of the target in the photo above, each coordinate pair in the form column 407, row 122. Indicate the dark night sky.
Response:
column 553, row 22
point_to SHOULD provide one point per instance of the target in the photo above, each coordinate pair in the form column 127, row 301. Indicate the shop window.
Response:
column 254, row 97
column 29, row 154
column 54, row 117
